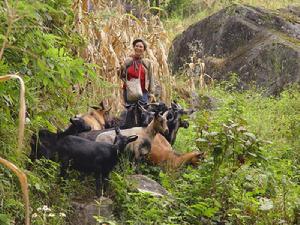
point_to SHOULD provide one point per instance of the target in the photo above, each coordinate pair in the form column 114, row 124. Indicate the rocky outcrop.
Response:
column 261, row 46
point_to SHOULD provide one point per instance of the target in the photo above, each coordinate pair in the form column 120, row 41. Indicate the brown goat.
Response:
column 162, row 154
column 97, row 118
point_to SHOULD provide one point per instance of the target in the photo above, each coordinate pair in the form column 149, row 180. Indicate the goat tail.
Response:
column 24, row 186
column 22, row 110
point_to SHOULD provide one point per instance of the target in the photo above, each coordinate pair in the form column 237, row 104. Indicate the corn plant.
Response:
column 24, row 186
column 109, row 32
column 22, row 109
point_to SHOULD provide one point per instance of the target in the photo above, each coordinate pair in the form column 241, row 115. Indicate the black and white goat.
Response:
column 142, row 145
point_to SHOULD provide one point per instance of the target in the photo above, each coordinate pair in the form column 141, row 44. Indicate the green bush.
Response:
column 249, row 176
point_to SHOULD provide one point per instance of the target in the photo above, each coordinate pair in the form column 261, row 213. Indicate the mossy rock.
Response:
column 261, row 46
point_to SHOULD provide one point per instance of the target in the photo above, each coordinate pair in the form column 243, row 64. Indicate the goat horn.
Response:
column 107, row 110
column 142, row 108
column 94, row 107
column 73, row 119
column 127, row 106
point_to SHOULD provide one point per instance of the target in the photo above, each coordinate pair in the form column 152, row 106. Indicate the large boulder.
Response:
column 261, row 46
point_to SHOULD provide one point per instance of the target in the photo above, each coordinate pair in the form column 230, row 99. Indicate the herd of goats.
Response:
column 94, row 142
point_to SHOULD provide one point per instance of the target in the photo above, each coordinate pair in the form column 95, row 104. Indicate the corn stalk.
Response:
column 196, row 70
column 109, row 32
column 21, row 175
column 11, row 18
column 24, row 186
column 22, row 109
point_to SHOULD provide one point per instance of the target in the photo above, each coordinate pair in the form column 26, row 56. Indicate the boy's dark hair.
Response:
column 139, row 40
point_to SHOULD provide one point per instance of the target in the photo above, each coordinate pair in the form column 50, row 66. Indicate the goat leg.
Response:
column 105, row 181
column 63, row 167
column 98, row 183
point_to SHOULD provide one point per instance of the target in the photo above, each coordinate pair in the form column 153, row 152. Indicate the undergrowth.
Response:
column 250, row 174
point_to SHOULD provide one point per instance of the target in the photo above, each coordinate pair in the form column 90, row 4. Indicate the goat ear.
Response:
column 173, row 105
column 74, row 119
column 95, row 107
column 127, row 106
column 200, row 155
column 132, row 138
column 181, row 111
column 107, row 110
column 184, row 124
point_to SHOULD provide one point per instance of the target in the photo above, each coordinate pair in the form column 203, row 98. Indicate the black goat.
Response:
column 43, row 144
column 135, row 115
column 176, row 122
column 92, row 157
column 146, row 114
column 157, row 106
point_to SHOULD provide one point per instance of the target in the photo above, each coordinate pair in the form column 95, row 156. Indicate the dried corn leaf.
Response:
column 109, row 32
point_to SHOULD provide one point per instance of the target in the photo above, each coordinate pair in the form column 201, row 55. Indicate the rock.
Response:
column 147, row 185
column 84, row 212
column 261, row 46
